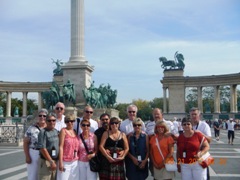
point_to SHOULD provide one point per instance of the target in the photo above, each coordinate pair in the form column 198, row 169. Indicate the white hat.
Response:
column 231, row 119
column 216, row 120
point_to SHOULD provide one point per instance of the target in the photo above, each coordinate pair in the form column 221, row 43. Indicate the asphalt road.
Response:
column 226, row 166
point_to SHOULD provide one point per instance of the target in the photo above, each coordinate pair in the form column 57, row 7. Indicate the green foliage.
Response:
column 156, row 103
column 144, row 109
column 15, row 102
column 122, row 108
column 3, row 101
column 191, row 99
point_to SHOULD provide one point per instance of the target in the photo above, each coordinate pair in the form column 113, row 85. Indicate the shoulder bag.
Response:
column 170, row 165
column 94, row 162
column 206, row 159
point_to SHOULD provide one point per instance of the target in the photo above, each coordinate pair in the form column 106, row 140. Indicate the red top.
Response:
column 189, row 145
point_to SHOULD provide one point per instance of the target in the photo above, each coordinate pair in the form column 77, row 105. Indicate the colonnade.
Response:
column 175, row 84
column 24, row 88
column 217, row 102
column 24, row 105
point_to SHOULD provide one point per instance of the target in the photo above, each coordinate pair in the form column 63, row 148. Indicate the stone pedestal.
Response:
column 80, row 75
column 58, row 79
column 71, row 110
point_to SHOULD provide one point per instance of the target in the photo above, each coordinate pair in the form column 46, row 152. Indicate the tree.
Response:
column 144, row 109
column 122, row 108
column 157, row 103
column 191, row 99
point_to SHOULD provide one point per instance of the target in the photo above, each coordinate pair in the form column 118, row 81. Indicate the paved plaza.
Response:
column 226, row 167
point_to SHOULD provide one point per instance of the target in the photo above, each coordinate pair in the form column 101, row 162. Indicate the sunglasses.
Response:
column 59, row 108
column 160, row 126
column 41, row 115
column 69, row 121
column 186, row 124
column 131, row 112
column 106, row 119
column 137, row 125
column 85, row 125
column 113, row 123
column 51, row 120
column 89, row 112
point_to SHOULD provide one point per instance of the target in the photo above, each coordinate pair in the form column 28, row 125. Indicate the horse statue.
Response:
column 112, row 98
column 68, row 90
column 58, row 70
column 167, row 63
column 93, row 98
column 177, row 63
column 49, row 98
column 179, row 58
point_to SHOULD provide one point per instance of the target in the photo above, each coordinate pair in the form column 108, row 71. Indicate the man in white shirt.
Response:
column 59, row 110
column 126, row 125
column 230, row 125
column 158, row 116
column 202, row 127
column 87, row 114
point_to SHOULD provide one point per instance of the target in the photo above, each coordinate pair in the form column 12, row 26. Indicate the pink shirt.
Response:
column 70, row 148
column 82, row 151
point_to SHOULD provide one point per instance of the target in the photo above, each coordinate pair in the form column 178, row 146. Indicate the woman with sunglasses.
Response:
column 114, row 147
column 68, row 151
column 137, row 160
column 188, row 152
column 87, row 150
column 161, row 142
column 30, row 144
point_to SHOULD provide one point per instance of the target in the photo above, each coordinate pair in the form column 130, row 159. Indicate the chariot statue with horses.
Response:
column 177, row 63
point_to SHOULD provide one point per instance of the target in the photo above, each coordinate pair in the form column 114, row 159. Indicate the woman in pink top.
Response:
column 68, row 151
column 90, row 140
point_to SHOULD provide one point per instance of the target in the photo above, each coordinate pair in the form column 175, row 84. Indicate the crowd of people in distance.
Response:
column 60, row 145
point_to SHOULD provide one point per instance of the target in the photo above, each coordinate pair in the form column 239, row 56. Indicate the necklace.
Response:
column 70, row 132
column 115, row 135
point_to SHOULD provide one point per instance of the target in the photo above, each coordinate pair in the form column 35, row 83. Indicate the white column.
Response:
column 233, row 102
column 216, row 99
column 39, row 100
column 164, row 100
column 9, row 103
column 200, row 107
column 77, row 31
column 24, row 104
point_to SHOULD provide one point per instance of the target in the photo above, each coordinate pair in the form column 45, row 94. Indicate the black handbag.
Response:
column 93, row 162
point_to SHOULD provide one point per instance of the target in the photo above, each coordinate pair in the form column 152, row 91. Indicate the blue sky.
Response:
column 123, row 40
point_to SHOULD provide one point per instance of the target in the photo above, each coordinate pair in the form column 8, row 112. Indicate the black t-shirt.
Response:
column 216, row 124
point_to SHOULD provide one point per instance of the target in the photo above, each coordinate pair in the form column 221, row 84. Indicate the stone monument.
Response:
column 77, row 68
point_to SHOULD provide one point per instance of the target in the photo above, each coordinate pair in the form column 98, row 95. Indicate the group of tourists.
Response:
column 60, row 146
